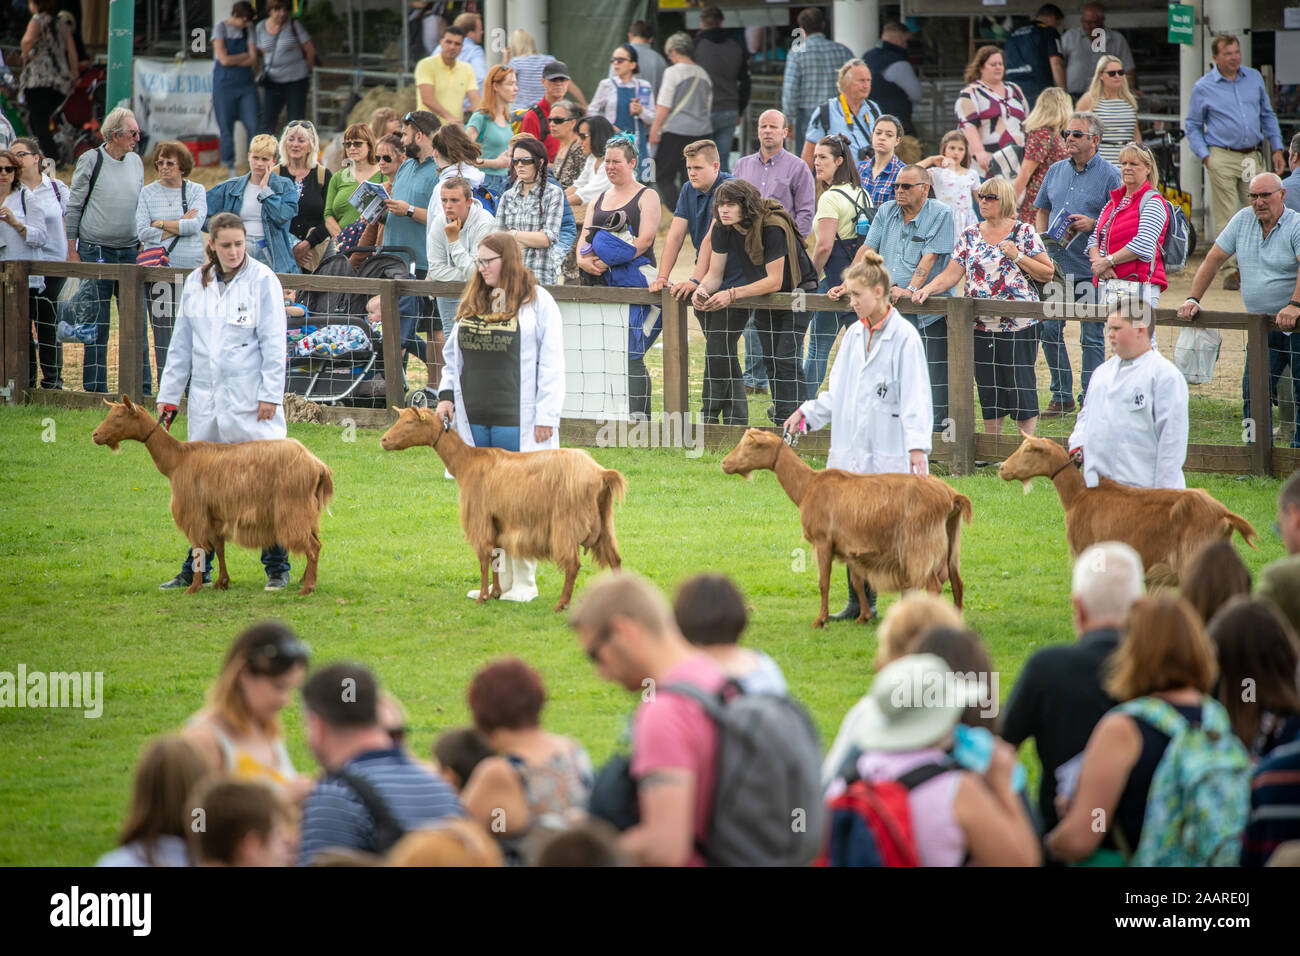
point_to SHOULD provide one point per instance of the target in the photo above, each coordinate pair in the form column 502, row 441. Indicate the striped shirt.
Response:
column 1118, row 119
column 812, row 74
column 1274, row 805
column 336, row 816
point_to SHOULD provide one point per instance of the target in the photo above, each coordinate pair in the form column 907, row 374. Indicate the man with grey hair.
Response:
column 1074, row 192
column 100, row 221
column 1058, row 697
column 850, row 114
column 1085, row 44
column 1267, row 238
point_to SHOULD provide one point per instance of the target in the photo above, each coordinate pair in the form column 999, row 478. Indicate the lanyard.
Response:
column 850, row 120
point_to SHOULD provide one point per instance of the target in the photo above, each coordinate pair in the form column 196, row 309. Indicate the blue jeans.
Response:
column 230, row 102
column 289, row 96
column 495, row 436
column 755, row 372
column 274, row 559
column 447, row 307
column 724, row 132
column 410, row 310
column 821, row 339
column 1282, row 350
column 802, row 118
column 94, row 374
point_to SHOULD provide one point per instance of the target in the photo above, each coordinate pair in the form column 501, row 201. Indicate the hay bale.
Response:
column 400, row 102
column 298, row 409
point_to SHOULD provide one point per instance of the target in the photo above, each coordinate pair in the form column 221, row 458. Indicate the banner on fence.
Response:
column 173, row 98
column 595, row 361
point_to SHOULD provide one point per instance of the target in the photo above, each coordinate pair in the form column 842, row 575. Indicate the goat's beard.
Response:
column 1026, row 485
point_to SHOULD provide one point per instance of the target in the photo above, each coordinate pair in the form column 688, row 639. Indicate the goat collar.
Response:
column 781, row 444
column 1069, row 460
column 145, row 441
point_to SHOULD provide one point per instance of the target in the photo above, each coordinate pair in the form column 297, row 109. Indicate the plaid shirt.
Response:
column 880, row 190
column 517, row 211
column 810, row 74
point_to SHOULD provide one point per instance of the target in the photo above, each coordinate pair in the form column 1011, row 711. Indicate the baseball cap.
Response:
column 555, row 70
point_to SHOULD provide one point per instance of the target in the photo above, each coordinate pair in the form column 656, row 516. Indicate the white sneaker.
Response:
column 525, row 581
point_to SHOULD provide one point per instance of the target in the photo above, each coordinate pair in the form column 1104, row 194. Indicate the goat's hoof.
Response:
column 222, row 584
column 820, row 622
column 197, row 585
column 561, row 605
column 306, row 589
column 866, row 617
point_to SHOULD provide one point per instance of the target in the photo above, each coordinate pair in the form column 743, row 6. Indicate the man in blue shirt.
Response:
column 1292, row 183
column 915, row 236
column 809, row 78
column 1033, row 54
column 694, row 214
column 1266, row 238
column 850, row 113
column 1228, row 116
column 1074, row 191
column 372, row 791
column 408, row 218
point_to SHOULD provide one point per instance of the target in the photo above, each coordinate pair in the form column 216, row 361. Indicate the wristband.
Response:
column 1295, row 303
column 1192, row 298
column 693, row 279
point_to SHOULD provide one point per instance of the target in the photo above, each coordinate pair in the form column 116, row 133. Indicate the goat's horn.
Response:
column 110, row 404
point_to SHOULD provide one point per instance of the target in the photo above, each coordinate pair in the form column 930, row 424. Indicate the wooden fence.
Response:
column 960, row 448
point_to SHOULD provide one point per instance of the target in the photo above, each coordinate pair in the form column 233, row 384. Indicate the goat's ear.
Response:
column 126, row 400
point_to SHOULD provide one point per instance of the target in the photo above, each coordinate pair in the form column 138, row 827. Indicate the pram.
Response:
column 336, row 356
column 77, row 120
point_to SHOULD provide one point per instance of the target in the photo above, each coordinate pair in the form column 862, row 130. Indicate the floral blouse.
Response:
column 1046, row 147
column 991, row 275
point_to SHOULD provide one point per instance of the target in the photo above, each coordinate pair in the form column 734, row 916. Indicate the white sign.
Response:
column 173, row 98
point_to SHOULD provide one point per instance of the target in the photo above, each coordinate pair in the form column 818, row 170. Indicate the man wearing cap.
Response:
column 895, row 86
column 555, row 81
column 1058, row 697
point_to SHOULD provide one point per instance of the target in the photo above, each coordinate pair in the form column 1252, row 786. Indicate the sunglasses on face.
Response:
column 559, row 122
column 130, row 133
column 350, row 143
column 898, row 186
column 387, row 158
column 1112, row 72
column 989, row 196
column 1075, row 133
column 526, row 161
column 1253, row 196
column 8, row 170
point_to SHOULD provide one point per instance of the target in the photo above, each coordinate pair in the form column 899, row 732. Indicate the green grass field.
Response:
column 86, row 537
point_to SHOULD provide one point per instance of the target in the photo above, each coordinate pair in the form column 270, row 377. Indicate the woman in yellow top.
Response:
column 362, row 166
column 239, row 731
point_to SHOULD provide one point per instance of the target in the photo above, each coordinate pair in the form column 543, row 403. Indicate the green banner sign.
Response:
column 1182, row 25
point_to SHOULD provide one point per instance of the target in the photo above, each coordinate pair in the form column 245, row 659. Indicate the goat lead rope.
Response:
column 145, row 441
column 1068, row 462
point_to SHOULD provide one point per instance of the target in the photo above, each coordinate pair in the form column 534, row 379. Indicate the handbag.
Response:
column 73, row 300
column 157, row 255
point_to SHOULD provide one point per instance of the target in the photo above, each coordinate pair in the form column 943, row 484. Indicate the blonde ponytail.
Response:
column 869, row 270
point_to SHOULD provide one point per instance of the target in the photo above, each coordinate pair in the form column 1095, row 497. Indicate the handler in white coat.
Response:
column 1133, row 424
column 503, row 373
column 879, row 398
column 229, row 348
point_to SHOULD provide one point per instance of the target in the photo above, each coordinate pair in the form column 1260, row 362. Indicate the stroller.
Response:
column 77, row 120
column 336, row 356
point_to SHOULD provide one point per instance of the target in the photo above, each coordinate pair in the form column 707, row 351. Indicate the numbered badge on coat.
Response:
column 1138, row 403
column 887, row 393
column 241, row 317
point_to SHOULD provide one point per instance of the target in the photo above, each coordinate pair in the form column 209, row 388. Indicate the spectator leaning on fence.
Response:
column 810, row 71
column 991, row 113
column 683, row 111
column 1058, row 696
column 998, row 258
column 1133, row 424
column 1083, row 45
column 43, row 291
column 365, row 774
column 266, row 203
column 693, row 215
column 1125, row 246
column 895, row 87
column 171, row 213
column 1073, row 194
column 727, row 62
column 1266, row 237
column 850, row 113
column 915, row 235
column 106, row 185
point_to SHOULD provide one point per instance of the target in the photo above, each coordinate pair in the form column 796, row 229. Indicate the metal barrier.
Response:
column 956, row 443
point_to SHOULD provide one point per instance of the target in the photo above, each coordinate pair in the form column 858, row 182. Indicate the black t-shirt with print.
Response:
column 490, row 375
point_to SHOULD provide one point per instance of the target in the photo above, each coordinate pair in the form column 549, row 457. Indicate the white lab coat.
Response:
column 879, row 404
column 1133, row 425
column 229, row 347
column 541, row 374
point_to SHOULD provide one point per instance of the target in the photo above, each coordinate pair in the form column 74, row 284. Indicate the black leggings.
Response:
column 724, row 389
column 42, row 101
column 41, row 311
column 670, row 166
column 1004, row 373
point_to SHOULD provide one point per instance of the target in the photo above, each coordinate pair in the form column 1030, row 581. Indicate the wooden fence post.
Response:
column 15, row 331
column 961, row 382
column 1261, row 403
column 132, row 337
column 391, row 322
column 677, row 366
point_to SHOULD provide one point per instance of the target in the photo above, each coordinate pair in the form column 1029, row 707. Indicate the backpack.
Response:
column 1175, row 244
column 824, row 120
column 542, row 124
column 387, row 830
column 1199, row 799
column 767, row 803
column 487, row 198
column 871, row 822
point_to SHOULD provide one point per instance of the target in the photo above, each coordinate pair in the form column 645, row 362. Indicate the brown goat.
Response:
column 255, row 493
column 538, row 504
column 897, row 532
column 1166, row 526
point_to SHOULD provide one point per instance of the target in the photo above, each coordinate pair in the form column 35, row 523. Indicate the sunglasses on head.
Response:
column 306, row 124
column 277, row 656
